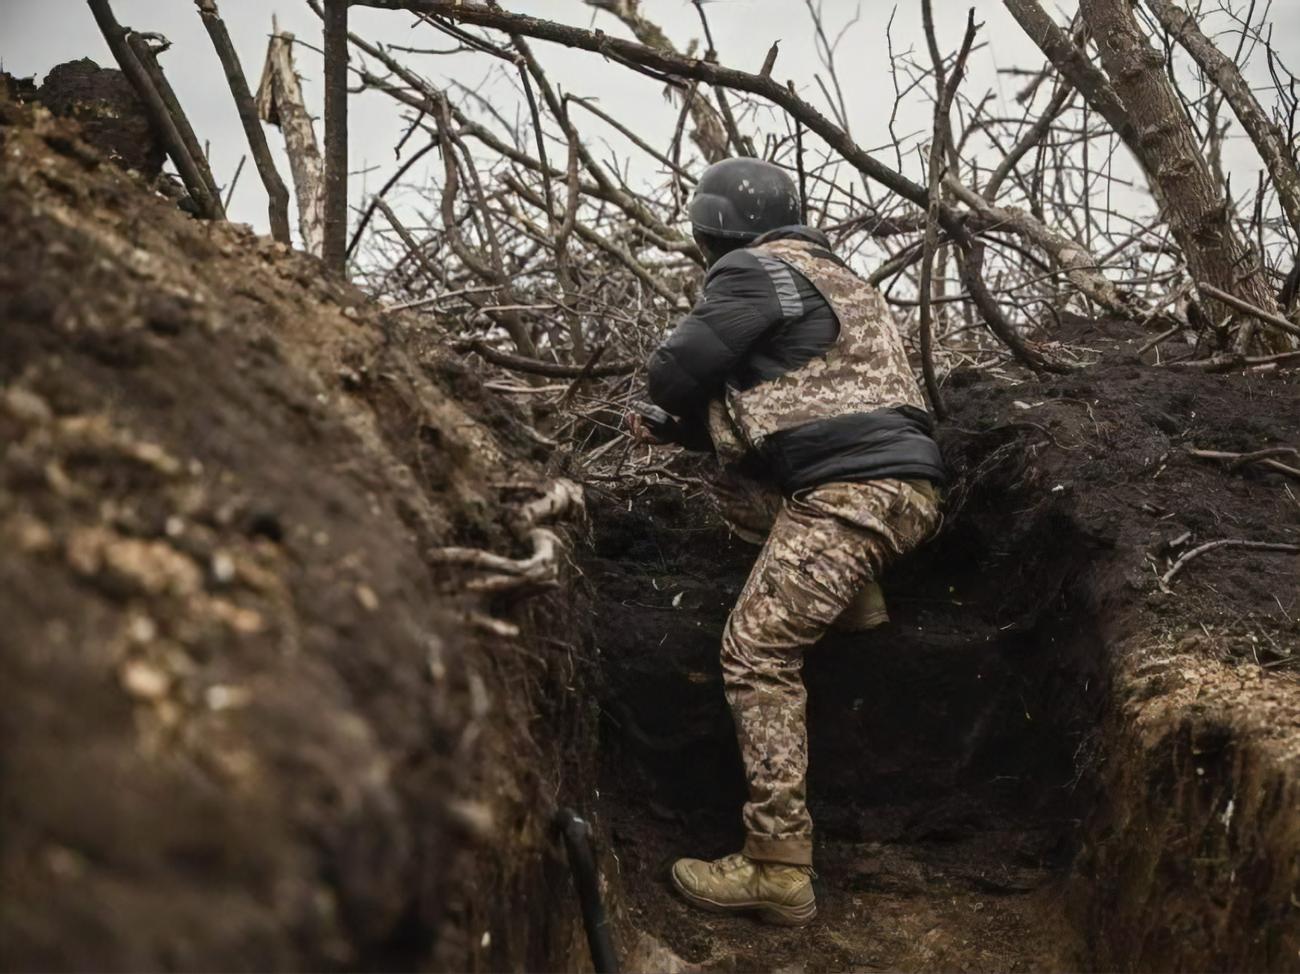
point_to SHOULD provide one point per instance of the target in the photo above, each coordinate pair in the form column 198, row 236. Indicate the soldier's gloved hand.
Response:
column 640, row 430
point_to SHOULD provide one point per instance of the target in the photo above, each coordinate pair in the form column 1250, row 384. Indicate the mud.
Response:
column 1043, row 762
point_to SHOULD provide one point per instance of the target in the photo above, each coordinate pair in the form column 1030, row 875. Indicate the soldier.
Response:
column 792, row 370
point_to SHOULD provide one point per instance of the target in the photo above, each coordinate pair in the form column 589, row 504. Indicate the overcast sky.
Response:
column 37, row 34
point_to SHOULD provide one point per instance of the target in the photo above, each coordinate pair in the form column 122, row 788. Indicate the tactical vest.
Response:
column 865, row 370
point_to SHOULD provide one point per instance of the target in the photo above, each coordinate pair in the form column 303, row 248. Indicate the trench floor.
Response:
column 969, row 896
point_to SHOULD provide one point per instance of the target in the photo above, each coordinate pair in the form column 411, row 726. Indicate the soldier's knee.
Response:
column 733, row 652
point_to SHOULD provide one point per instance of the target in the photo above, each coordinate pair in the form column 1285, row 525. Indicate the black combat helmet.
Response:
column 740, row 199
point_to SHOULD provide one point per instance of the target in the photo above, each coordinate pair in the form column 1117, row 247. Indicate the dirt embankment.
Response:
column 1045, row 762
column 245, row 723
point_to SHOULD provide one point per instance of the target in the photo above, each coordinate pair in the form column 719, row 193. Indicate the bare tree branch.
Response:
column 945, row 92
column 199, row 187
column 519, row 363
column 277, row 193
column 708, row 133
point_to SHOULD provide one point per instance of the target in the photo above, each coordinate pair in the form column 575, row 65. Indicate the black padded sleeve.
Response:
column 738, row 307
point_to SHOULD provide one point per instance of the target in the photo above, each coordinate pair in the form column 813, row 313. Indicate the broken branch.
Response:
column 1196, row 552
column 280, row 102
column 1268, row 317
column 532, row 366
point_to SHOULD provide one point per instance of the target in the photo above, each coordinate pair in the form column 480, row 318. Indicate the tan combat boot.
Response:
column 778, row 893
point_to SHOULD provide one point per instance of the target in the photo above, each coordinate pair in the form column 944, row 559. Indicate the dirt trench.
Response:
column 944, row 781
column 1042, row 762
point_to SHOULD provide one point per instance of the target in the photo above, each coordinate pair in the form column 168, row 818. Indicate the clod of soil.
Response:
column 109, row 114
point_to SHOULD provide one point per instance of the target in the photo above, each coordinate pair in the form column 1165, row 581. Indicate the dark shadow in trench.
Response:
column 974, row 712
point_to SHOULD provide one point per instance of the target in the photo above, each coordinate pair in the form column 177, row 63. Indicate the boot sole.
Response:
column 782, row 916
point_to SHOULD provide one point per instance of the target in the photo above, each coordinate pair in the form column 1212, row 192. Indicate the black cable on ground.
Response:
column 586, row 877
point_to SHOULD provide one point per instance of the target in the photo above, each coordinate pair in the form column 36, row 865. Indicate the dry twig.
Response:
column 1266, row 458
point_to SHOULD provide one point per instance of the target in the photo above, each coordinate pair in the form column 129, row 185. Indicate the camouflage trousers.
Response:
column 825, row 545
column 750, row 508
